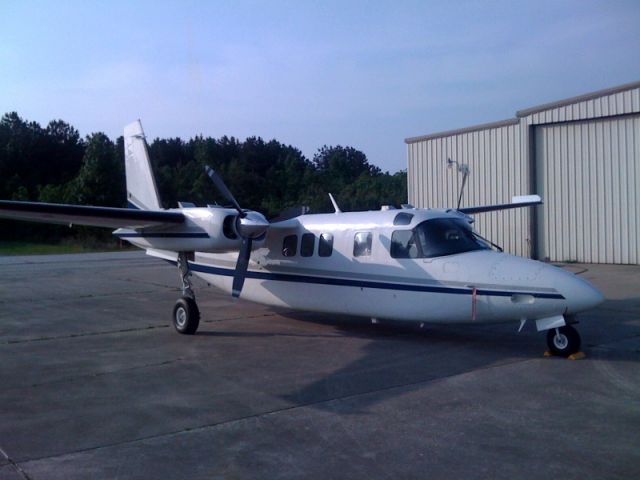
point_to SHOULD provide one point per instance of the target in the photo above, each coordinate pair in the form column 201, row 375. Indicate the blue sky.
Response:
column 363, row 74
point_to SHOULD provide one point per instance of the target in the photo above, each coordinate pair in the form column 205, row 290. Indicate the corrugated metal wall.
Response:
column 586, row 155
column 589, row 175
column 499, row 170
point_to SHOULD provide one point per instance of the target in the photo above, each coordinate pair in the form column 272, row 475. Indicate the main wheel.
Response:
column 186, row 316
column 563, row 341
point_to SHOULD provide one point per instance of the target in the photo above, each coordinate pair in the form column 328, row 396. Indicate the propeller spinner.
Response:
column 249, row 225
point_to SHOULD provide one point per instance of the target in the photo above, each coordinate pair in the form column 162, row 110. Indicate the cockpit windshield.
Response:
column 435, row 238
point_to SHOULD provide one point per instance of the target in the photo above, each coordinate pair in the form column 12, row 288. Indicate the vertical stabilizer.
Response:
column 142, row 192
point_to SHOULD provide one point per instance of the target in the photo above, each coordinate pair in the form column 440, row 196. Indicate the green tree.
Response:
column 101, row 178
column 64, row 151
column 347, row 174
column 21, row 154
column 55, row 165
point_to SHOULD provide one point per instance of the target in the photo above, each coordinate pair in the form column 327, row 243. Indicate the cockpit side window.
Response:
column 403, row 244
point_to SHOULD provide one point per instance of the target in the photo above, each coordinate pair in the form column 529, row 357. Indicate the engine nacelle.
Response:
column 210, row 229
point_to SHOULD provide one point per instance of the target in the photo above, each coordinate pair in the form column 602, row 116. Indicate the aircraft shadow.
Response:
column 262, row 334
column 401, row 357
column 395, row 357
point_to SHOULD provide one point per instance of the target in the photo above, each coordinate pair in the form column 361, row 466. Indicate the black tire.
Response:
column 563, row 341
column 186, row 316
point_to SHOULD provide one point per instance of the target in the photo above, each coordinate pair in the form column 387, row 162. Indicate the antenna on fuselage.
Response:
column 335, row 205
column 464, row 169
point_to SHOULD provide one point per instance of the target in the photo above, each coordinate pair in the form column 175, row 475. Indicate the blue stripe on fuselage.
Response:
column 345, row 282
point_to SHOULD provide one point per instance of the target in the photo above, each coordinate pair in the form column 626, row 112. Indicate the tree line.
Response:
column 55, row 164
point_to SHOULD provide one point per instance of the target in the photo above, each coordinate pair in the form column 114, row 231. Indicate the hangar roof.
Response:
column 484, row 126
column 579, row 98
column 526, row 112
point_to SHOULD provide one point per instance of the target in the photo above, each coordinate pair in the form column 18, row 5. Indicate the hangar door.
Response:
column 588, row 174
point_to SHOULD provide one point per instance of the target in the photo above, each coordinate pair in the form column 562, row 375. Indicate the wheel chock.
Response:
column 573, row 356
column 577, row 356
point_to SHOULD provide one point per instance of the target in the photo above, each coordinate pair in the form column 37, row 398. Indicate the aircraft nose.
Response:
column 579, row 294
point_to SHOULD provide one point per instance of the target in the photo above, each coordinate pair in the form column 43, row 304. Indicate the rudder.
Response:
column 142, row 192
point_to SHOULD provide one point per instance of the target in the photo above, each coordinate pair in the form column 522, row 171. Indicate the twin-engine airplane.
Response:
column 416, row 265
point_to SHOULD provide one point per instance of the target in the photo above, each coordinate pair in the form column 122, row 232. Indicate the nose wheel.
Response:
column 563, row 341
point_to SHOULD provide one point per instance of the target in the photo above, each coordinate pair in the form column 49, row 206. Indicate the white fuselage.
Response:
column 422, row 265
column 364, row 279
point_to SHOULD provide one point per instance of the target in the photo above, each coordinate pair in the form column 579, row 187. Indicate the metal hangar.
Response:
column 582, row 155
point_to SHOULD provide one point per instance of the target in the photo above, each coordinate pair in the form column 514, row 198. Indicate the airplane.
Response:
column 411, row 264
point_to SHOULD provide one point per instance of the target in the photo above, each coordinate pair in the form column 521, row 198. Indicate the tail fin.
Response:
column 142, row 192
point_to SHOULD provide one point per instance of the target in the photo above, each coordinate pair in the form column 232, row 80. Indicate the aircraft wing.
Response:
column 85, row 215
column 517, row 202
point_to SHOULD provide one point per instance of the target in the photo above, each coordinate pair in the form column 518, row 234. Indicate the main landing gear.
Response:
column 186, row 316
column 563, row 341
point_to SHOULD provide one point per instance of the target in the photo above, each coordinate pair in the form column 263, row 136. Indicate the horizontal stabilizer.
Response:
column 85, row 215
column 517, row 202
column 167, row 255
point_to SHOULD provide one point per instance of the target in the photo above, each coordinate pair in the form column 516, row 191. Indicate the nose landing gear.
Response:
column 186, row 315
column 563, row 341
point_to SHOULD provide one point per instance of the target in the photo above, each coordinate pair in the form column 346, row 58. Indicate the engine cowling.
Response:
column 210, row 229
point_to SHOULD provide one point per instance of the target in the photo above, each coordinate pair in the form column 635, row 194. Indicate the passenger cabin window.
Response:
column 435, row 238
column 362, row 244
column 325, row 245
column 308, row 244
column 289, row 246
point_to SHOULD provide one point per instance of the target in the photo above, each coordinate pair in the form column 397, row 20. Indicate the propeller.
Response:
column 222, row 188
column 249, row 225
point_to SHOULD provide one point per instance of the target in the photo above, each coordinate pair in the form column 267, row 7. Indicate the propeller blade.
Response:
column 241, row 266
column 222, row 188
